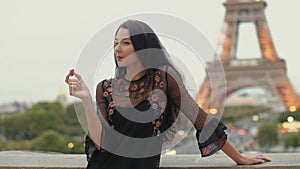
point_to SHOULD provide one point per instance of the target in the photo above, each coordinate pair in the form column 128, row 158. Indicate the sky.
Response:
column 41, row 40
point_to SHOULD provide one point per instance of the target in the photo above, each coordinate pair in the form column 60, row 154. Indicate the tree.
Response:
column 234, row 113
column 41, row 117
column 267, row 135
column 18, row 145
column 2, row 146
column 24, row 131
column 283, row 116
column 50, row 140
column 292, row 140
column 72, row 126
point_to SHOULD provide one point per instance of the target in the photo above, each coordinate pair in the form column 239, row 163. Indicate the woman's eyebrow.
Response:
column 122, row 39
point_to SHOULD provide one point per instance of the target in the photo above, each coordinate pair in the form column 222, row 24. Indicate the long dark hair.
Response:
column 152, row 55
column 147, row 45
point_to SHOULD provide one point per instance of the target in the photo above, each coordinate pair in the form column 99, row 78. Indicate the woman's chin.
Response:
column 120, row 64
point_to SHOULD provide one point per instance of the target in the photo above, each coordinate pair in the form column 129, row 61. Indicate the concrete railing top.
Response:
column 24, row 159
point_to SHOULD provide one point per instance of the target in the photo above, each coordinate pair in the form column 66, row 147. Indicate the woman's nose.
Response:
column 117, row 48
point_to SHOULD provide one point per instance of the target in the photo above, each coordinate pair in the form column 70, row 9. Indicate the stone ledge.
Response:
column 33, row 160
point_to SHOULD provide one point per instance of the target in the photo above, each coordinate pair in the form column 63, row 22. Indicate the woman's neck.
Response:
column 135, row 72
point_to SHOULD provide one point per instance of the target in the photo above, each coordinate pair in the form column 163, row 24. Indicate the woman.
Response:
column 145, row 81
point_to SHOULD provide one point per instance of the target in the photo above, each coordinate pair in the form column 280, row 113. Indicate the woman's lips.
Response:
column 120, row 58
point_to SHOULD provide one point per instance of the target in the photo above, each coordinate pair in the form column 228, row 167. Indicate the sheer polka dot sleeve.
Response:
column 210, row 131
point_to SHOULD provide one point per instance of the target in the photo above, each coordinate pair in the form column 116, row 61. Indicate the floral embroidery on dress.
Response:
column 129, row 89
column 111, row 104
column 158, row 105
column 134, row 90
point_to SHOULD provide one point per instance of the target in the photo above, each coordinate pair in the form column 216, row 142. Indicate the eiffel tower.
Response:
column 267, row 72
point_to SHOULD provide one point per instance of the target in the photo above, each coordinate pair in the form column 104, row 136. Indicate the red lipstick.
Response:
column 120, row 58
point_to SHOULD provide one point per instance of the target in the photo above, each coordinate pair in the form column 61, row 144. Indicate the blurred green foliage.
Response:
column 292, row 140
column 268, row 135
column 50, row 140
column 232, row 114
column 284, row 115
column 47, row 126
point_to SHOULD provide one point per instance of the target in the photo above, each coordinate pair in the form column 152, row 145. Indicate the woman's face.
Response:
column 124, row 50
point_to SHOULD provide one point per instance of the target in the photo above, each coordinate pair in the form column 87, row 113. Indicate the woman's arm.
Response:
column 214, row 137
column 78, row 88
column 236, row 156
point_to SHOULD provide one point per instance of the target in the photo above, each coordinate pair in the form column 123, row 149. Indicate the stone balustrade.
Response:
column 34, row 160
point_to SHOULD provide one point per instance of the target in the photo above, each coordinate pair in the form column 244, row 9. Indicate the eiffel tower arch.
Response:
column 267, row 72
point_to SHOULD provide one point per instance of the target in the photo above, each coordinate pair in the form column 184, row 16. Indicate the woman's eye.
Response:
column 126, row 43
column 115, row 44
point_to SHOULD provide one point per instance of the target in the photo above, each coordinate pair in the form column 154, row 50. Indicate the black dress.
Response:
column 161, row 93
column 104, row 159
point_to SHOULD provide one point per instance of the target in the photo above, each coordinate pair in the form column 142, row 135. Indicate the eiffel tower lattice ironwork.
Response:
column 268, row 72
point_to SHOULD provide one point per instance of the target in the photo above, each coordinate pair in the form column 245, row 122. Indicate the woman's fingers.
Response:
column 254, row 159
column 74, row 84
column 261, row 157
column 78, row 76
column 74, row 81
column 72, row 73
column 74, row 87
column 258, row 159
column 71, row 90
column 77, row 86
column 67, row 78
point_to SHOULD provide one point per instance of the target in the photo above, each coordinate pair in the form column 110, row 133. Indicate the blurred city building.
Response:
column 14, row 107
column 62, row 98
